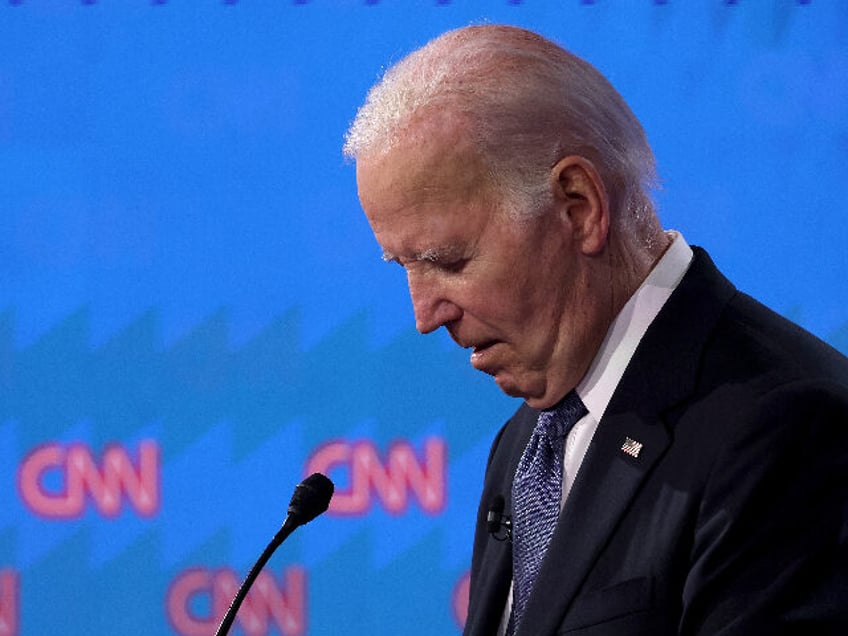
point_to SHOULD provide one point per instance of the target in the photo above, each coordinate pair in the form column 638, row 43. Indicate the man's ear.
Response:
column 581, row 196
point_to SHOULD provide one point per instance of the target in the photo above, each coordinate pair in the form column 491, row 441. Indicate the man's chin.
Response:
column 525, row 386
column 508, row 385
column 531, row 390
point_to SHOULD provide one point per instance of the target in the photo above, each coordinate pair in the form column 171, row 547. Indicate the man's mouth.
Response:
column 479, row 348
column 479, row 355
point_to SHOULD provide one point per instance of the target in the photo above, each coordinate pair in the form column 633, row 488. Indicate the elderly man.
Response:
column 680, row 462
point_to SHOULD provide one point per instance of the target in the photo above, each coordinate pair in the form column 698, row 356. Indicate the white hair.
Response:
column 526, row 103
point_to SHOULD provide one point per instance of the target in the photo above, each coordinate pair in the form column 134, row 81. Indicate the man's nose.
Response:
column 430, row 303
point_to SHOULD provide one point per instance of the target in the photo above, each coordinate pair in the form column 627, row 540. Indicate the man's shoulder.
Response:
column 766, row 341
column 747, row 338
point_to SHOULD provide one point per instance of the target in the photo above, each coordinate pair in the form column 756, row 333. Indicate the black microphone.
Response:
column 498, row 524
column 311, row 497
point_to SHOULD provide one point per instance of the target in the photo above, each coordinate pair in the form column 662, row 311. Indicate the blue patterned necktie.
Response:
column 536, row 497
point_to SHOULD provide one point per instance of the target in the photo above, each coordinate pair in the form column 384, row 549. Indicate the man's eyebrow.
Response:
column 432, row 255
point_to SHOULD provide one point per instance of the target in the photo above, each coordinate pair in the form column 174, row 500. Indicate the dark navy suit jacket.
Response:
column 731, row 519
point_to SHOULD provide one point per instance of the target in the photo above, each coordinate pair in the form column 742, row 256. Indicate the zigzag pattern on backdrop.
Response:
column 228, row 420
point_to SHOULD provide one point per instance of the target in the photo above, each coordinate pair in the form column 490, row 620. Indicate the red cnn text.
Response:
column 56, row 480
column 198, row 599
column 390, row 479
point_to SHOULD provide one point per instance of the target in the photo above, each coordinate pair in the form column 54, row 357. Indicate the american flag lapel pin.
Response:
column 631, row 447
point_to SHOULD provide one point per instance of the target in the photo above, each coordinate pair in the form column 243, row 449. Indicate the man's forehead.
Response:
column 433, row 158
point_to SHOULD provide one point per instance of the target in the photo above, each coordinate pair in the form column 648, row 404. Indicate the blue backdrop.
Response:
column 194, row 314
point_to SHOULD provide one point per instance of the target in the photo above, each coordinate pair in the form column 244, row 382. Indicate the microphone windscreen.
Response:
column 311, row 497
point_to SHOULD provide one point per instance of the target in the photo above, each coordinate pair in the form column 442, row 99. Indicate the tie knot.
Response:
column 557, row 421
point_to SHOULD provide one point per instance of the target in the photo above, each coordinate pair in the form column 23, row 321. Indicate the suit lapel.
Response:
column 609, row 477
column 606, row 485
column 494, row 576
column 485, row 615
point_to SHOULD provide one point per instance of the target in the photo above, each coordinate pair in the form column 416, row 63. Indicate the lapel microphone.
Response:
column 498, row 524
column 311, row 497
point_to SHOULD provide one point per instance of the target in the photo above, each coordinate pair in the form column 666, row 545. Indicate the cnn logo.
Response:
column 56, row 481
column 391, row 479
column 198, row 599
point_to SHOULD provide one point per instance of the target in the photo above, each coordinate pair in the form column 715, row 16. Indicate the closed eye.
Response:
column 441, row 260
column 453, row 267
column 390, row 258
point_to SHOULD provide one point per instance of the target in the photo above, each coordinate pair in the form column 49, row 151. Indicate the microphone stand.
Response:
column 311, row 497
column 289, row 526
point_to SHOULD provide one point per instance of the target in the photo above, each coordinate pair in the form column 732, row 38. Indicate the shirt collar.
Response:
column 629, row 326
